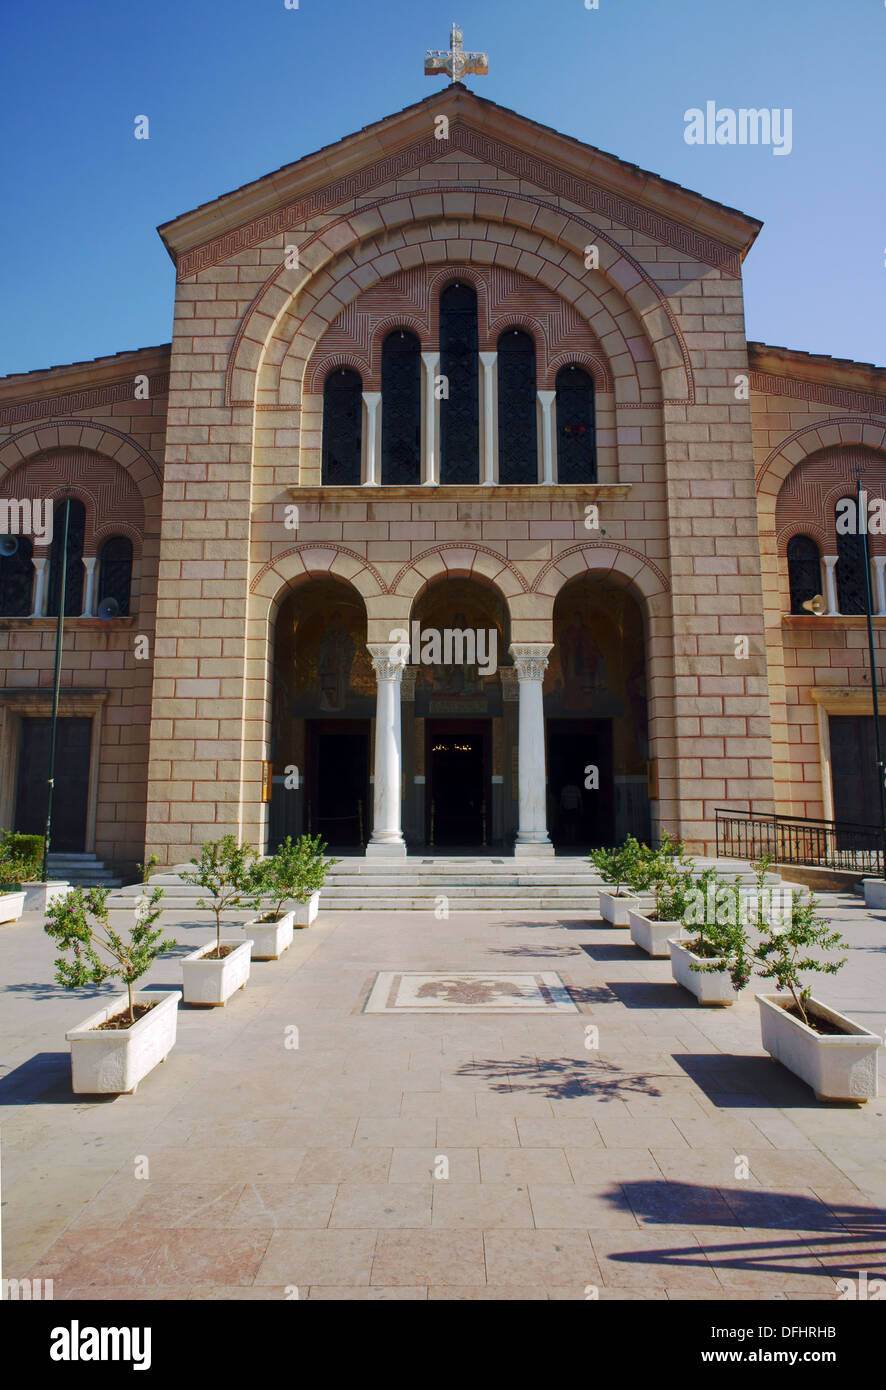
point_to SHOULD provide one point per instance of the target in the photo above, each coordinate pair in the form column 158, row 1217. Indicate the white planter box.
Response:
column 713, row 987
column 116, row 1059
column 214, row 981
column 616, row 910
column 874, row 892
column 306, row 912
column 270, row 939
column 12, row 905
column 653, row 936
column 837, row 1067
column 39, row 895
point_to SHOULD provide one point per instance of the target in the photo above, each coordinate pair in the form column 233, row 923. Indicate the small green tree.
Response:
column 622, row 865
column 227, row 871
column 717, row 915
column 79, row 923
column 295, row 872
column 782, row 953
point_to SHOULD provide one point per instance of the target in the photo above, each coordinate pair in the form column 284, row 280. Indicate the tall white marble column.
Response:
column 830, row 584
column 489, row 373
column 531, row 660
column 388, row 662
column 546, row 400
column 430, row 362
column 372, row 401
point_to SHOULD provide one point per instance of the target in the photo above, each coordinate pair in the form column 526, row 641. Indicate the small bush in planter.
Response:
column 292, row 874
column 621, row 866
column 715, row 920
column 783, row 955
column 79, row 923
column 21, row 858
column 228, row 872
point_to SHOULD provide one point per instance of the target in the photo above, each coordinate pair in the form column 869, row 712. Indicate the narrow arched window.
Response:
column 804, row 571
column 459, row 406
column 576, row 448
column 342, row 427
column 115, row 573
column 401, row 408
column 74, row 571
column 517, row 409
column 16, row 576
column 851, row 585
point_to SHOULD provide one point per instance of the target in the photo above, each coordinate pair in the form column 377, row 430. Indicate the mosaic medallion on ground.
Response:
column 467, row 992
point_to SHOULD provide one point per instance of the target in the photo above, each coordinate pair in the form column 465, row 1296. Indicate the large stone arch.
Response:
column 810, row 439
column 557, row 258
column 95, row 437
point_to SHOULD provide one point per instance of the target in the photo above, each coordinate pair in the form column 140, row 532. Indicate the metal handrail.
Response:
column 798, row 840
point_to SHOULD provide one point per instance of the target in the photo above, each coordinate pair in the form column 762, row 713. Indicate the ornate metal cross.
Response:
column 455, row 62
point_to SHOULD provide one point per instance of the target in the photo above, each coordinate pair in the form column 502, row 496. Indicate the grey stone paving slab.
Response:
column 317, row 1169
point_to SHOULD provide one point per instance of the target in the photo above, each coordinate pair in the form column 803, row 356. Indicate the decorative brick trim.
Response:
column 97, row 425
column 520, row 163
column 811, row 491
column 411, row 300
column 465, row 546
column 813, row 428
column 820, row 392
column 319, row 545
column 663, row 302
column 86, row 399
column 104, row 486
column 599, row 545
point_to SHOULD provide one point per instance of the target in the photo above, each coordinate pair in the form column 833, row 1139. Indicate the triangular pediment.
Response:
column 485, row 133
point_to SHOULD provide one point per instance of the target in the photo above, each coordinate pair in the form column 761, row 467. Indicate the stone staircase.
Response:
column 490, row 883
column 82, row 871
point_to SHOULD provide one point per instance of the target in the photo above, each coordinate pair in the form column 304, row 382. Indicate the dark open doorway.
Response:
column 337, row 775
column 580, row 816
column 458, row 805
column 71, row 796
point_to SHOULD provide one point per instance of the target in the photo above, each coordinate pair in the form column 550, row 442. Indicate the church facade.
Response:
column 459, row 513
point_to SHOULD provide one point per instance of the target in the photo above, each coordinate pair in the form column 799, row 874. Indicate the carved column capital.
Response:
column 531, row 659
column 388, row 660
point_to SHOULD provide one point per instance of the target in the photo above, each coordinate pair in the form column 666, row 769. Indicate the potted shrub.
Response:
column 712, row 959
column 622, row 868
column 119, row 1044
column 830, row 1052
column 226, row 870
column 296, row 874
column 21, row 889
column 672, row 890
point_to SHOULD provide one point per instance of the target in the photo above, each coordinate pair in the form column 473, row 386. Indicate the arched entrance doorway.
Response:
column 596, row 720
column 458, row 706
column 323, row 704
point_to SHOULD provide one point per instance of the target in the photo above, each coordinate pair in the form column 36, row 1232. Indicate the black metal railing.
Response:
column 829, row 844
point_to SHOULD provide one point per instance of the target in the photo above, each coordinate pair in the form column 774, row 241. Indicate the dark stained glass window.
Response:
column 16, row 579
column 342, row 427
column 75, row 571
column 576, row 448
column 459, row 364
column 804, row 571
column 401, row 408
column 517, row 407
column 115, row 572
column 851, row 586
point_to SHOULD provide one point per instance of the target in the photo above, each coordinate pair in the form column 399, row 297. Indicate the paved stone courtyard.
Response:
column 440, row 1153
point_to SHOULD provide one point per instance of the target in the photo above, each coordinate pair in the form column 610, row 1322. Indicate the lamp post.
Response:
column 59, row 640
column 862, row 522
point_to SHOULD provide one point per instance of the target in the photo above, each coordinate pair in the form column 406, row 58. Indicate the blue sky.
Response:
column 236, row 88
